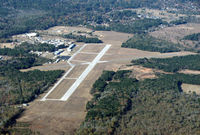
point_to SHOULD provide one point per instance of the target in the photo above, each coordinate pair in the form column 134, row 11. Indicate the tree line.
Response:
column 148, row 43
column 23, row 16
column 80, row 38
column 193, row 37
column 174, row 64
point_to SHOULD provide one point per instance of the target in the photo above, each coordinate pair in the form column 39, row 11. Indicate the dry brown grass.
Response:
column 94, row 48
column 63, row 65
column 84, row 57
column 61, row 89
column 77, row 71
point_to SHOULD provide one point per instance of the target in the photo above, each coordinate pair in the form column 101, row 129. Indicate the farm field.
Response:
column 63, row 117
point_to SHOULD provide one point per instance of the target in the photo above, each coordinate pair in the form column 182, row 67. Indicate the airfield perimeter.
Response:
column 62, row 108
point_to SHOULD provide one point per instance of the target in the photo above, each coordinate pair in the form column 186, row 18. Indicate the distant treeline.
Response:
column 25, row 48
column 193, row 37
column 149, row 43
column 179, row 21
column 80, row 38
column 137, row 26
column 171, row 64
column 24, row 16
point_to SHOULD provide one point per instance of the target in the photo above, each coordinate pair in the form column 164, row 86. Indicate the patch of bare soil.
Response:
column 7, row 45
column 187, row 71
column 140, row 72
column 189, row 88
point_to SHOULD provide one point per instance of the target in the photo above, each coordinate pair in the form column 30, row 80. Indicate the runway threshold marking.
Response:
column 76, row 84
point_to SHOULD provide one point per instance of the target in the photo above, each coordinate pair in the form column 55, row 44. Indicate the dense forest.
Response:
column 22, row 15
column 149, row 43
column 164, row 113
column 122, row 105
column 137, row 26
column 18, row 87
column 180, row 21
column 171, row 64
